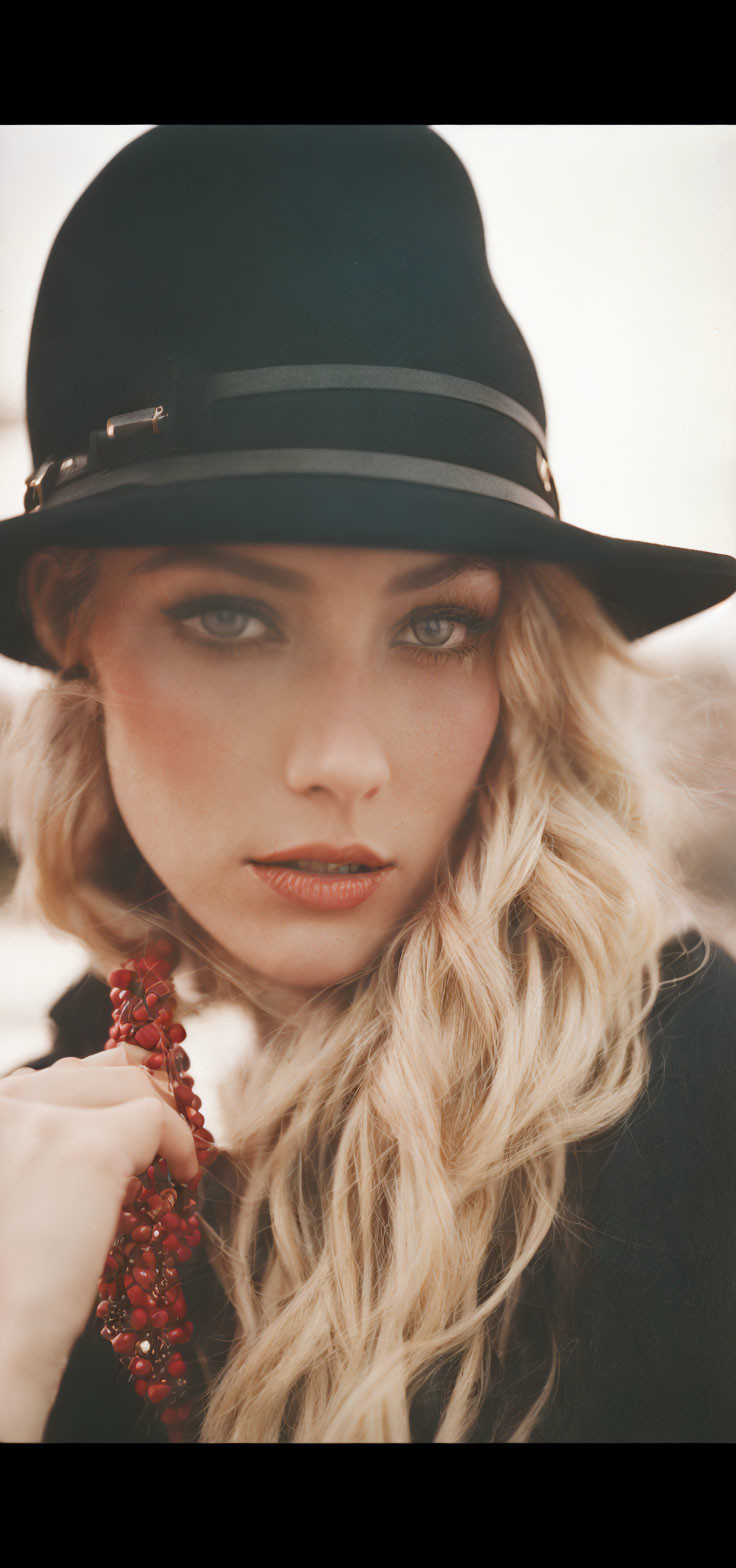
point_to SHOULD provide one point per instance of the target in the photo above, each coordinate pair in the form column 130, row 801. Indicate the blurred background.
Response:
column 614, row 247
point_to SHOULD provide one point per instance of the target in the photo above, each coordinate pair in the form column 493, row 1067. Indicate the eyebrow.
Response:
column 296, row 582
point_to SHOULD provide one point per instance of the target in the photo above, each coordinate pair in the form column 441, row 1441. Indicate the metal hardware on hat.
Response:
column 51, row 474
column 545, row 472
column 72, row 466
column 378, row 378
column 138, row 423
column 40, row 483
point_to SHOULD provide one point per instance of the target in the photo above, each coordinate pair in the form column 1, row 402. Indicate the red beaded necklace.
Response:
column 140, row 1295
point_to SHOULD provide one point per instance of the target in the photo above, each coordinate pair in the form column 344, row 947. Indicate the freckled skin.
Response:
column 327, row 731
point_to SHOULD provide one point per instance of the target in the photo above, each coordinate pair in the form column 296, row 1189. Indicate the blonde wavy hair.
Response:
column 400, row 1150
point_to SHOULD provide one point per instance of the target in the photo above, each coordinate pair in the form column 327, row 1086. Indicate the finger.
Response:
column 128, row 1055
column 132, row 1192
column 119, row 1055
column 88, row 1088
column 149, row 1130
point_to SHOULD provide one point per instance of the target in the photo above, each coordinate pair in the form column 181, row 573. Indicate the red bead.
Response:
column 159, row 1319
column 183, row 1093
column 124, row 1343
column 148, row 1259
column 109, row 1333
column 184, row 1254
column 177, row 1366
column 158, row 1391
column 141, row 1233
column 145, row 1277
column 171, row 1222
column 155, row 1061
column 119, row 977
column 171, row 1243
column 140, row 1014
column 141, row 1388
column 196, row 1118
column 135, row 1295
column 140, row 1367
column 138, row 1318
column 147, row 1036
column 102, row 1309
column 177, row 1034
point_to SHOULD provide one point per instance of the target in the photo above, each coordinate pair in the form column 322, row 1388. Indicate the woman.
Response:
column 295, row 551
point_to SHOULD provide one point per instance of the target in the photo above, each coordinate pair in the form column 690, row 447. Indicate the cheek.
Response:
column 171, row 746
column 446, row 742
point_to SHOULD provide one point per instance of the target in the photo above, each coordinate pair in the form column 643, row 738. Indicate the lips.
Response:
column 327, row 854
column 300, row 875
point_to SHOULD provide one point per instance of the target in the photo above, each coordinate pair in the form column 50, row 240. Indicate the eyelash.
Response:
column 477, row 626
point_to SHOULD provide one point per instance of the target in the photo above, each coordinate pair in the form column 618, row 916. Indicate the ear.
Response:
column 49, row 598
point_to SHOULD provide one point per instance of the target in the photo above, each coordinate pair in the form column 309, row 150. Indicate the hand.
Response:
column 73, row 1138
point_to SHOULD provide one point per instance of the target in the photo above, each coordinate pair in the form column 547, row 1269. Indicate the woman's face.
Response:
column 295, row 703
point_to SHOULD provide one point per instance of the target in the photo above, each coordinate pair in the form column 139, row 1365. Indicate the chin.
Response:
column 302, row 970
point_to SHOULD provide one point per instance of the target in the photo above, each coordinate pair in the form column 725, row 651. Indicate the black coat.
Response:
column 645, row 1307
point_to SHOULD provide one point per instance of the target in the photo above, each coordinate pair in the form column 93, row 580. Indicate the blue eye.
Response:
column 222, row 621
column 438, row 629
column 446, row 632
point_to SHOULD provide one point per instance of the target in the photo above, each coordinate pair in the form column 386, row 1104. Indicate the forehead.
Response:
column 306, row 568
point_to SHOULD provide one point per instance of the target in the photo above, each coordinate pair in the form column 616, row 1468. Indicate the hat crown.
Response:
column 250, row 246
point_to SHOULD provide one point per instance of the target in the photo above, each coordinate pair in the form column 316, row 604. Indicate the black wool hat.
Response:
column 289, row 333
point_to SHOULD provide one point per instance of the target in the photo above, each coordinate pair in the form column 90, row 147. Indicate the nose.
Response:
column 334, row 744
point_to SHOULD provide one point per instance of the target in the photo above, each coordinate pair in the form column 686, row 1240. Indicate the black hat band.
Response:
column 430, row 428
column 192, row 466
column 377, row 378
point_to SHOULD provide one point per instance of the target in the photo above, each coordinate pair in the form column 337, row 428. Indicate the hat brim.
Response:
column 642, row 586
